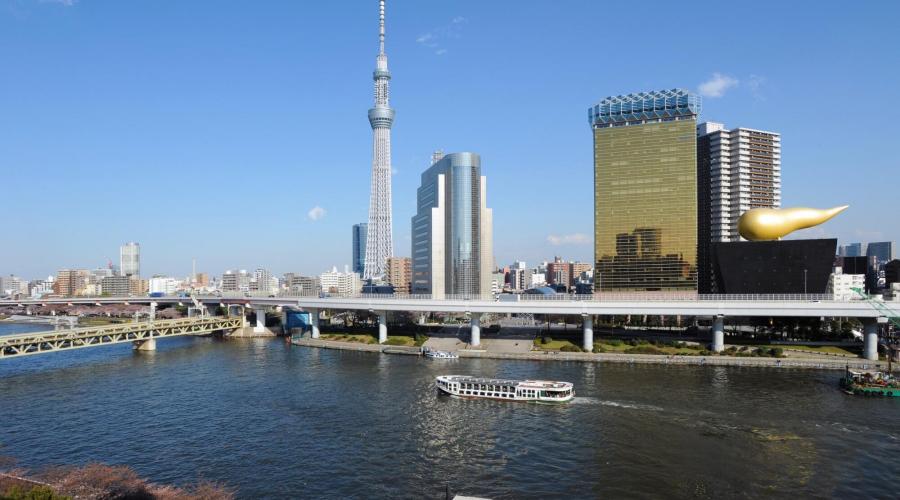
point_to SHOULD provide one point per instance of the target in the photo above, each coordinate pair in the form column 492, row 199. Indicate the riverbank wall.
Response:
column 585, row 357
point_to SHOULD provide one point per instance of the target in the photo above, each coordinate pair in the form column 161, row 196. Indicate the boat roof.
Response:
column 536, row 384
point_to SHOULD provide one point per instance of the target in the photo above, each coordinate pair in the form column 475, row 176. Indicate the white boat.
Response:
column 430, row 354
column 538, row 391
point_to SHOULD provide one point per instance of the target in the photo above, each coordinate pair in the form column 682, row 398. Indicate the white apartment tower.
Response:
column 744, row 172
column 130, row 259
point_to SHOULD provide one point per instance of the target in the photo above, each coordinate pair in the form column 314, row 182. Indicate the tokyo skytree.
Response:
column 379, row 239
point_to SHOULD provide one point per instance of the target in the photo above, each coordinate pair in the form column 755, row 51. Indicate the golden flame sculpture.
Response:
column 772, row 224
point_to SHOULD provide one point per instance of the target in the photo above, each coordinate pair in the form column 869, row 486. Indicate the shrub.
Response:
column 615, row 342
column 706, row 352
column 395, row 341
column 598, row 349
column 36, row 493
column 546, row 340
column 777, row 352
column 570, row 348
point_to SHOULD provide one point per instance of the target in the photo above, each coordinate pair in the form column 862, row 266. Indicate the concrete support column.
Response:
column 382, row 327
column 260, row 319
column 314, row 323
column 718, row 334
column 475, row 337
column 152, row 311
column 870, row 340
column 145, row 345
column 587, row 342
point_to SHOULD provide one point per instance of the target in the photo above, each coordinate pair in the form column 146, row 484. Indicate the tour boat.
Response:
column 870, row 383
column 536, row 391
column 430, row 354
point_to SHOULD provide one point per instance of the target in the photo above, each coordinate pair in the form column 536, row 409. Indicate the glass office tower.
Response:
column 359, row 247
column 452, row 231
column 645, row 191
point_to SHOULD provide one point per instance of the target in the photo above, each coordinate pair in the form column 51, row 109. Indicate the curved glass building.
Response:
column 452, row 231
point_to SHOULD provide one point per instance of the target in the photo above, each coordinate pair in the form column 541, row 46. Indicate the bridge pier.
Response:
column 718, row 334
column 382, row 327
column 153, row 311
column 260, row 319
column 314, row 322
column 475, row 323
column 145, row 345
column 870, row 339
column 587, row 341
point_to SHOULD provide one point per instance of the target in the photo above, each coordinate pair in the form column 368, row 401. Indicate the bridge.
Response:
column 142, row 334
column 716, row 307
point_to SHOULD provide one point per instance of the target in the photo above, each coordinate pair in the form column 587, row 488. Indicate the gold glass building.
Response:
column 645, row 191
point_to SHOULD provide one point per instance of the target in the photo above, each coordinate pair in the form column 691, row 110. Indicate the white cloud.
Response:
column 569, row 239
column 316, row 213
column 756, row 83
column 717, row 85
column 436, row 38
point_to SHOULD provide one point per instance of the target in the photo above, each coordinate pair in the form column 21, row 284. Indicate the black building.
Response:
column 773, row 267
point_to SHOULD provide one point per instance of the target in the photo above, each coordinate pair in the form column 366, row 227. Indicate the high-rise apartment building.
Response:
column 379, row 239
column 452, row 231
column 130, row 259
column 359, row 247
column 645, row 191
column 399, row 273
column 737, row 170
column 236, row 281
column 559, row 273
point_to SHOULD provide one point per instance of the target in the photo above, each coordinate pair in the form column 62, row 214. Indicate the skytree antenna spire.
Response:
column 379, row 238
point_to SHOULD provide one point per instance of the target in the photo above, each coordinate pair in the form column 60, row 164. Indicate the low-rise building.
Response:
column 340, row 283
column 115, row 286
column 841, row 285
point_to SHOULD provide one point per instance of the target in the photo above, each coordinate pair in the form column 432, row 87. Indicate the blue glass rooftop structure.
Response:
column 660, row 105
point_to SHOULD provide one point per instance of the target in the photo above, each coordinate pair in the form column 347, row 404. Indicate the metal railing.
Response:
column 597, row 297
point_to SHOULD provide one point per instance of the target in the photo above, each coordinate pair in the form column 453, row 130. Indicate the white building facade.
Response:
column 340, row 283
column 130, row 259
column 841, row 285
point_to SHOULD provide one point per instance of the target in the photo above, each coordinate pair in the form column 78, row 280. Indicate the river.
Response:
column 276, row 421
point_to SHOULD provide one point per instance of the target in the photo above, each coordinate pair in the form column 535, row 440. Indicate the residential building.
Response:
column 452, row 231
column 340, row 283
column 130, row 259
column 163, row 284
column 71, row 282
column 841, row 285
column 737, row 170
column 115, row 286
column 263, row 282
column 645, row 191
column 850, row 250
column 359, row 247
column 236, row 281
column 13, row 285
column 399, row 273
column 301, row 285
column 201, row 280
column 519, row 277
column 39, row 288
column 139, row 286
column 559, row 273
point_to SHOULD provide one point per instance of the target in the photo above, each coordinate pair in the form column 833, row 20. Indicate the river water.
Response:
column 277, row 421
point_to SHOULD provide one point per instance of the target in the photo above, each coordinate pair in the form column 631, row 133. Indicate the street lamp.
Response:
column 804, row 282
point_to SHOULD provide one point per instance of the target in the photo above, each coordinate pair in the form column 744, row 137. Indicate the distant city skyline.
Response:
column 169, row 130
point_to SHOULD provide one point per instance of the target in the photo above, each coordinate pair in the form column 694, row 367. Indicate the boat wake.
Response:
column 614, row 404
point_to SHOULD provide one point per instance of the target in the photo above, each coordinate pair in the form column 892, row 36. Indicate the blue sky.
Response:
column 212, row 129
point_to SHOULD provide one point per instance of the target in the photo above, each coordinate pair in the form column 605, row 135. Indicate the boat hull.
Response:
column 554, row 401
column 860, row 390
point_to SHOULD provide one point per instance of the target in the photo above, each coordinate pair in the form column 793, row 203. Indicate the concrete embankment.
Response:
column 819, row 364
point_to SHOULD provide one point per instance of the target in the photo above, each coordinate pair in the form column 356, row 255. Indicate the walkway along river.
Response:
column 276, row 420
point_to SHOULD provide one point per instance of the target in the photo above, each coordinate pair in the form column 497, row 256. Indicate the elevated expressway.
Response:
column 142, row 334
column 716, row 307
